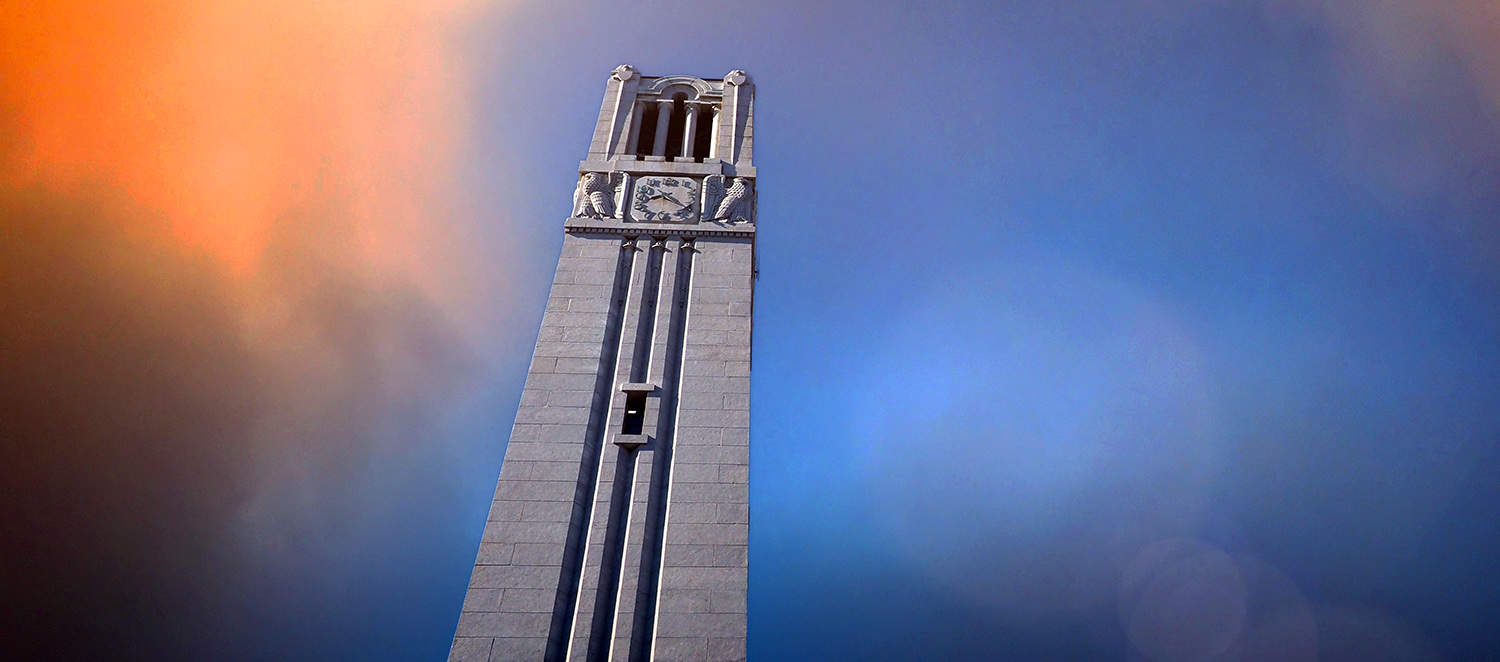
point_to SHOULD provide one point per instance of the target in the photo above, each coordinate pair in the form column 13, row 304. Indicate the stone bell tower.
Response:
column 621, row 518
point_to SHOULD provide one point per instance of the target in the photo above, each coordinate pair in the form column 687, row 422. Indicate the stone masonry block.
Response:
column 706, row 454
column 560, row 382
column 729, row 418
column 714, row 625
column 710, row 401
column 735, row 437
column 526, row 600
column 495, row 624
column 577, row 366
column 726, row 649
column 733, row 513
column 505, row 511
column 546, row 511
column 551, row 452
column 538, row 553
column 513, row 576
column 685, row 600
column 526, row 532
column 726, row 579
column 719, row 295
column 514, row 649
column 696, row 513
column 567, row 349
column 711, row 533
column 589, row 304
column 541, row 470
column 551, row 414
column 699, row 435
column 734, row 473
column 681, row 649
column 470, row 649
column 726, row 602
column 722, row 280
column 710, row 309
column 495, row 553
column 564, row 432
column 482, row 599
column 695, row 473
column 735, row 556
column 582, row 334
column 690, row 555
column 710, row 493
column 545, row 491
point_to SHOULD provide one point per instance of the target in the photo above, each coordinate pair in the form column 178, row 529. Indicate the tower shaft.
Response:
column 620, row 522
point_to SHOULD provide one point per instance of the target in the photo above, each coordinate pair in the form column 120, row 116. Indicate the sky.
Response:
column 1158, row 330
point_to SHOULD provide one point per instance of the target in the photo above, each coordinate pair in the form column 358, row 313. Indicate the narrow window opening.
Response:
column 675, row 127
column 648, row 132
column 703, row 133
column 635, row 413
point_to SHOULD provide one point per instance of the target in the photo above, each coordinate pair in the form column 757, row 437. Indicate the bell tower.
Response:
column 620, row 523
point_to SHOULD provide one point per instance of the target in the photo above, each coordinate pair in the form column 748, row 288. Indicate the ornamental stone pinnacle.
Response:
column 620, row 524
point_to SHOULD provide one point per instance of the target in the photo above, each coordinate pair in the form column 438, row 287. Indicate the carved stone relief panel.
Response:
column 729, row 199
column 598, row 195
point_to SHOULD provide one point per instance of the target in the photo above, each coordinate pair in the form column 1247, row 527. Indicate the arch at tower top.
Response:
column 701, row 88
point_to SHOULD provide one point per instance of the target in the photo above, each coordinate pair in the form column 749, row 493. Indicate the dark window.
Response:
column 635, row 413
column 648, row 131
column 703, row 135
column 676, row 125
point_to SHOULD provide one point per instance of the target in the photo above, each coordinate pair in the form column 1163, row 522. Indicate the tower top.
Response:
column 682, row 125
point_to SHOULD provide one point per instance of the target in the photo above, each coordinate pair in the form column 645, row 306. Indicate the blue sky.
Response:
column 1155, row 330
column 1047, row 287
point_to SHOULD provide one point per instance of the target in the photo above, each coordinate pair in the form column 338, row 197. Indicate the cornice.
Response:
column 581, row 225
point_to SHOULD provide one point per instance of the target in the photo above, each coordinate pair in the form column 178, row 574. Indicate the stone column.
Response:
column 635, row 128
column 713, row 135
column 663, row 116
column 690, row 131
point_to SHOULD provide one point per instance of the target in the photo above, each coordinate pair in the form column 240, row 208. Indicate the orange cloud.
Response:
column 221, row 116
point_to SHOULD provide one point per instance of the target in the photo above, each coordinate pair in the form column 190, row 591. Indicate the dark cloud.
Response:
column 192, row 458
column 128, row 399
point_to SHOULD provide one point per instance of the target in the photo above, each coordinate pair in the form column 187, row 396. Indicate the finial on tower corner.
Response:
column 736, row 77
column 624, row 72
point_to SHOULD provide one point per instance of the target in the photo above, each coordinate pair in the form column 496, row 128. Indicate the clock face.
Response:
column 665, row 199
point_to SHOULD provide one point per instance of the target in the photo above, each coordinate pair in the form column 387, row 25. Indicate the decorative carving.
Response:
column 659, row 85
column 624, row 72
column 713, row 193
column 628, row 244
column 659, row 242
column 736, row 77
column 592, row 197
column 731, row 204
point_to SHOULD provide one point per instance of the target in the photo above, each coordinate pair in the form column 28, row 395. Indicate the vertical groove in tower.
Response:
column 620, row 523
